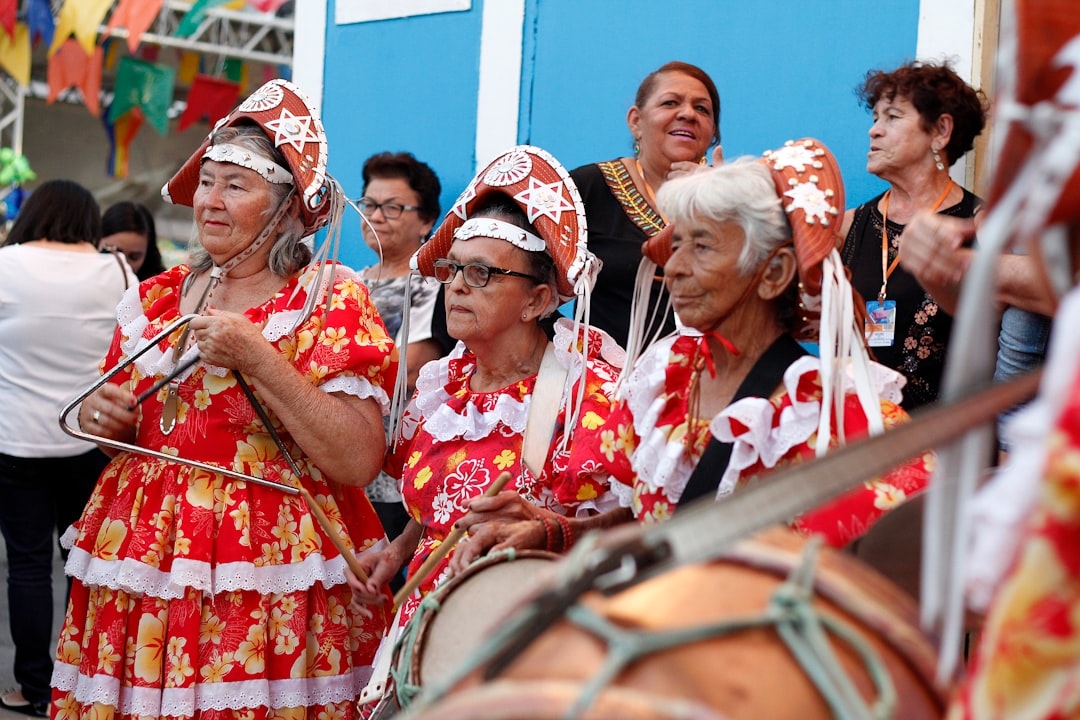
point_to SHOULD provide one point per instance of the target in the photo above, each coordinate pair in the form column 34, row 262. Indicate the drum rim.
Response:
column 426, row 620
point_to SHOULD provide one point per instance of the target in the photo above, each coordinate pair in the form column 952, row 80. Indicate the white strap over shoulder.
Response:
column 543, row 410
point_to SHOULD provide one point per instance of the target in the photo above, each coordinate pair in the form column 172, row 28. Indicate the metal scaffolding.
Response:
column 222, row 34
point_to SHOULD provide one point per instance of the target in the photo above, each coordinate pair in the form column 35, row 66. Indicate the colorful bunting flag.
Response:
column 190, row 65
column 70, row 66
column 194, row 17
column 121, row 132
column 40, row 19
column 15, row 54
column 236, row 70
column 146, row 86
column 80, row 18
column 211, row 98
column 7, row 15
column 266, row 6
column 113, row 53
column 136, row 16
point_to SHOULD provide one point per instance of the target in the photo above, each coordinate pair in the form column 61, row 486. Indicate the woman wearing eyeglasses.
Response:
column 465, row 425
column 401, row 205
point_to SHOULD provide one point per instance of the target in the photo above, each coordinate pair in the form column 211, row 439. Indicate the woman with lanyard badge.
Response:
column 925, row 118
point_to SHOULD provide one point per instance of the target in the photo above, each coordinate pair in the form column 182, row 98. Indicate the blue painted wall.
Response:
column 784, row 70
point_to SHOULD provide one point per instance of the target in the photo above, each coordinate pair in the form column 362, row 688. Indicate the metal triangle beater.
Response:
column 129, row 447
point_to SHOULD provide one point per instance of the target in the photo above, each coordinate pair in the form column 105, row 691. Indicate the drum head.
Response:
column 472, row 606
column 552, row 699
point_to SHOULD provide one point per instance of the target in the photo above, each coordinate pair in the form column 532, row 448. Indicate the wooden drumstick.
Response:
column 447, row 545
column 332, row 533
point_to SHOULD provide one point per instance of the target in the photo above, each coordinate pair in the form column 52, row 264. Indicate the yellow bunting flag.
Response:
column 189, row 67
column 80, row 18
column 15, row 54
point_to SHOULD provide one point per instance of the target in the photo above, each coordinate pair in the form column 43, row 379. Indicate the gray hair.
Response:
column 740, row 191
column 289, row 253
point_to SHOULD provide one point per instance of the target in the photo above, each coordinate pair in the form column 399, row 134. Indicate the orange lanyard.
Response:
column 886, row 268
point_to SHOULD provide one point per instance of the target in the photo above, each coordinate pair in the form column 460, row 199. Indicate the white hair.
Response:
column 740, row 191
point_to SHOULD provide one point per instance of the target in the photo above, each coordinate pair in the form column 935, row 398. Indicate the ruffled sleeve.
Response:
column 344, row 348
column 774, row 432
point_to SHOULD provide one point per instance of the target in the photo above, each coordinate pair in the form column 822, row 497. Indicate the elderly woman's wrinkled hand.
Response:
column 932, row 248
column 685, row 167
column 229, row 340
column 380, row 567
column 110, row 412
column 494, row 523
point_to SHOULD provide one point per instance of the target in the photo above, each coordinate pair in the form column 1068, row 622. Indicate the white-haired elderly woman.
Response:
column 704, row 411
column 196, row 593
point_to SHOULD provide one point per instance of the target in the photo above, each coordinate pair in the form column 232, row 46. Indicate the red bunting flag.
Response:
column 7, row 16
column 71, row 67
column 266, row 6
column 209, row 98
column 136, row 16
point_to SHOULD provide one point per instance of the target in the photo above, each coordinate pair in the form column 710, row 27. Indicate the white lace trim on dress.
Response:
column 798, row 422
column 136, row 577
column 158, row 702
column 663, row 463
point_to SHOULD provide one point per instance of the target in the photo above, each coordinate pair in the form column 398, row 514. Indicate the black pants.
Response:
column 38, row 498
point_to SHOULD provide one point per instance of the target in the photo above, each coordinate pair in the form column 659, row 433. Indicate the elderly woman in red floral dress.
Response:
column 748, row 265
column 197, row 594
column 511, row 250
column 751, row 266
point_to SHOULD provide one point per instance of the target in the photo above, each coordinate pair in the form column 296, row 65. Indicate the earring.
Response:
column 637, row 148
column 937, row 159
column 525, row 317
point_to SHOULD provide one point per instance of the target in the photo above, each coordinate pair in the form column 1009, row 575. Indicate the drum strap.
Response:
column 764, row 377
column 543, row 410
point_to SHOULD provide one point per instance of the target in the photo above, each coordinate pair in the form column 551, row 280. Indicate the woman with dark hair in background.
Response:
column 925, row 118
column 400, row 204
column 128, row 227
column 674, row 120
column 58, row 299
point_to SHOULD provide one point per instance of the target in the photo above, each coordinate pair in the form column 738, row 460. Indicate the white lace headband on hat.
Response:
column 500, row 230
column 267, row 168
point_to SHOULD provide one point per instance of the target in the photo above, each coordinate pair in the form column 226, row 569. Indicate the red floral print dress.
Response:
column 198, row 595
column 644, row 443
column 456, row 442
column 1025, row 555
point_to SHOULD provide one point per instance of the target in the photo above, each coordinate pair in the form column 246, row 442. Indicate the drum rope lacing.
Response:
column 403, row 649
column 804, row 630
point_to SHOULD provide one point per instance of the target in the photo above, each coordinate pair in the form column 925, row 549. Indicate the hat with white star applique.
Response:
column 542, row 187
column 289, row 119
column 810, row 188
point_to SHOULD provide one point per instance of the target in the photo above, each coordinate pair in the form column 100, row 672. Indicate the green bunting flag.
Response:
column 146, row 86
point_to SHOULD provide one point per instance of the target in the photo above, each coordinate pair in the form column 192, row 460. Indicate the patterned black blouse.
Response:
column 620, row 221
column 922, row 327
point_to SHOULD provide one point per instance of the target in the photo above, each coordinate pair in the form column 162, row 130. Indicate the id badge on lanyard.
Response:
column 880, row 325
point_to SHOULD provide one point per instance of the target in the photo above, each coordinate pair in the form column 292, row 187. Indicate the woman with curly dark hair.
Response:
column 925, row 118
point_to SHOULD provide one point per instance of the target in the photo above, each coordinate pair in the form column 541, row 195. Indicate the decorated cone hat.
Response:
column 809, row 183
column 288, row 118
column 542, row 187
